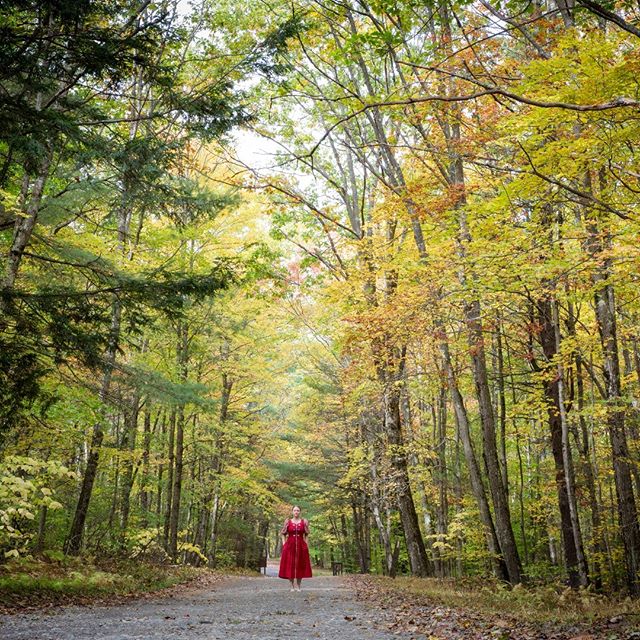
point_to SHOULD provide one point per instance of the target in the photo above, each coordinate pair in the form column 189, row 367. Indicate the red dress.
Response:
column 295, row 562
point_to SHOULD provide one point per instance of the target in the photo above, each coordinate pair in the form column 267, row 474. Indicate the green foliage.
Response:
column 20, row 373
column 25, row 490
column 58, row 578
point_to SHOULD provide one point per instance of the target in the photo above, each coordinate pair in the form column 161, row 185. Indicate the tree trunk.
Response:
column 598, row 547
column 475, row 475
column 551, row 386
column 161, row 466
column 218, row 457
column 440, row 446
column 377, row 503
column 360, row 534
column 605, row 308
column 42, row 528
column 388, row 568
column 393, row 428
column 25, row 222
column 146, row 446
column 627, row 513
column 129, row 447
column 583, row 577
column 451, row 129
column 498, row 492
column 170, row 471
column 174, row 520
column 73, row 543
column 501, row 403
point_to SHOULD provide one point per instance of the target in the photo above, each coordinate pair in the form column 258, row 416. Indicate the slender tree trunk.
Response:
column 475, row 475
column 393, row 428
column 25, row 222
column 555, row 411
column 440, row 446
column 451, row 128
column 597, row 545
column 213, row 526
column 174, row 520
column 501, row 403
column 523, row 528
column 217, row 464
column 376, row 500
column 357, row 502
column 129, row 446
column 73, row 543
column 159, row 479
column 502, row 514
column 385, row 541
column 170, row 472
column 605, row 308
column 146, row 446
column 360, row 533
column 42, row 528
column 116, row 464
column 583, row 577
column 459, row 494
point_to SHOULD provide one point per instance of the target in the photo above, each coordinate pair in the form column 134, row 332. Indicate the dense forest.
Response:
column 379, row 258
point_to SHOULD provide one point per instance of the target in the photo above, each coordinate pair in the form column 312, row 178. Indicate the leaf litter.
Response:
column 400, row 611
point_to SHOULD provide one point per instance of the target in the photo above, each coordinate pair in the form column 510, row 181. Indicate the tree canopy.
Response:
column 378, row 259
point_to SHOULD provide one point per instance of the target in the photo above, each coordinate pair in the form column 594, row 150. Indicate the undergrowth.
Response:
column 531, row 604
column 30, row 581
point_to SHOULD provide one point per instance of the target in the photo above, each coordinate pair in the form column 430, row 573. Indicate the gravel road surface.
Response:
column 239, row 608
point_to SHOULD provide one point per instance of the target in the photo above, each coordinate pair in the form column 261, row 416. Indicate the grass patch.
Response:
column 36, row 582
column 528, row 604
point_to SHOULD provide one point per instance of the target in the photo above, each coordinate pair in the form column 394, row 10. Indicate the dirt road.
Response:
column 243, row 608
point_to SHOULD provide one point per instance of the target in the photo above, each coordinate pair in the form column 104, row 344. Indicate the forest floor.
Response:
column 39, row 583
column 455, row 610
column 262, row 608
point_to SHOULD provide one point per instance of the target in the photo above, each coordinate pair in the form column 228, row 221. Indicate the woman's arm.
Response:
column 283, row 531
column 306, row 529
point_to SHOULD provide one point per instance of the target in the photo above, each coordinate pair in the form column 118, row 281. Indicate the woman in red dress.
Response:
column 294, row 562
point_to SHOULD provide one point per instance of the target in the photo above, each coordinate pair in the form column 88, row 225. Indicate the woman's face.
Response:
column 296, row 512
